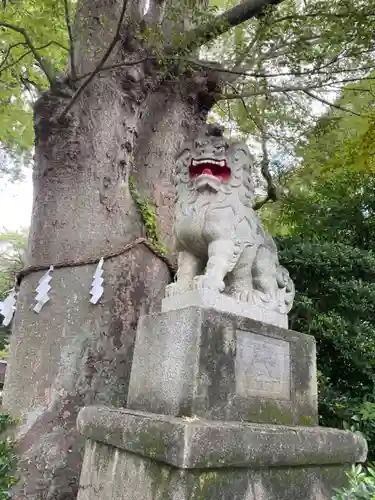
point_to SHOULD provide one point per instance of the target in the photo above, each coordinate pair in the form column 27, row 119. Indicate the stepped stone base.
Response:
column 140, row 456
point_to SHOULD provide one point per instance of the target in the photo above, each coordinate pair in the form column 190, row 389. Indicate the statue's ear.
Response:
column 239, row 152
column 184, row 152
column 182, row 163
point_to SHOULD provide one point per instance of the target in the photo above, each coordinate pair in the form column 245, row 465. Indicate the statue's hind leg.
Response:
column 239, row 281
column 265, row 277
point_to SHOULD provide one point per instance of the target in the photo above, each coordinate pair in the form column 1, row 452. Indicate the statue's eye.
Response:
column 200, row 144
column 220, row 149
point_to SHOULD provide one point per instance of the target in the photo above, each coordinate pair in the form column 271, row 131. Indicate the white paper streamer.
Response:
column 8, row 306
column 97, row 288
column 42, row 290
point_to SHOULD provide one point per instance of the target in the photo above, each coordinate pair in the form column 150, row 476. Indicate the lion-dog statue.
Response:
column 220, row 242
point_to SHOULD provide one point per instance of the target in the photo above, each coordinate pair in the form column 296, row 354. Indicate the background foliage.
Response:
column 7, row 457
column 326, row 232
column 13, row 246
column 336, row 303
column 331, row 194
column 361, row 484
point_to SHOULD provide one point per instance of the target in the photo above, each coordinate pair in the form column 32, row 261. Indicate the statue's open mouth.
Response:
column 209, row 166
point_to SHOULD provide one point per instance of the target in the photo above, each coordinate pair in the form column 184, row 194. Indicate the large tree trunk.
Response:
column 74, row 353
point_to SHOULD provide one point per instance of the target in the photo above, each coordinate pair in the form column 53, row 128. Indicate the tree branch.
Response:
column 257, row 74
column 30, row 52
column 271, row 188
column 250, row 47
column 259, row 204
column 222, row 23
column 265, row 169
column 331, row 104
column 26, row 82
column 284, row 47
column 99, row 67
column 42, row 64
column 326, row 15
column 272, row 89
column 71, row 41
column 9, row 50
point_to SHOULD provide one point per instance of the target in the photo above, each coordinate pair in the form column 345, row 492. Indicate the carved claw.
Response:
column 176, row 289
column 265, row 300
column 170, row 290
column 208, row 283
column 242, row 296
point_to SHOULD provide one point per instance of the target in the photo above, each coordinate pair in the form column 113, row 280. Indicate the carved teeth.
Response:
column 220, row 163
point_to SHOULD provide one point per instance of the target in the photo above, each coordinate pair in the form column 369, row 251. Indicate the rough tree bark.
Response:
column 131, row 120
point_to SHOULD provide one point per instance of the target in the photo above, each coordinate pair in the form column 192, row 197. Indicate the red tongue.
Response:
column 207, row 171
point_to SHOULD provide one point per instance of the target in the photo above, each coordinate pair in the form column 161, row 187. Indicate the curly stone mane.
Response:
column 215, row 131
column 218, row 231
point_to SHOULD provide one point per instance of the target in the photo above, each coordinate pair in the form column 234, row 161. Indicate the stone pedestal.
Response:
column 209, row 396
column 214, row 365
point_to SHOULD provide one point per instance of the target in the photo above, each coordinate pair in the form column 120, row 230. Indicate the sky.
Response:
column 16, row 203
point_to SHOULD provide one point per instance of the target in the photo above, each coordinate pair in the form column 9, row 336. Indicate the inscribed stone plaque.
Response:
column 262, row 366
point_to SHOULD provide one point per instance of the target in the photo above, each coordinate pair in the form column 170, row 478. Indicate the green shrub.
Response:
column 4, row 353
column 361, row 484
column 7, row 458
column 335, row 302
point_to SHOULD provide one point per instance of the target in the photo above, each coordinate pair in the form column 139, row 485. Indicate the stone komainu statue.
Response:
column 220, row 242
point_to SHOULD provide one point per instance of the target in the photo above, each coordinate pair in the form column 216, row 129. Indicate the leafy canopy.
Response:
column 20, row 75
column 293, row 61
column 331, row 194
column 281, row 62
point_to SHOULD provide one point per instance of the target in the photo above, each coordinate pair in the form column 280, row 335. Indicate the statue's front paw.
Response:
column 208, row 283
column 242, row 296
column 171, row 290
column 177, row 288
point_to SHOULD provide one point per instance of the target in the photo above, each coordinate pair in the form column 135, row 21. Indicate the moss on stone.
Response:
column 148, row 442
column 103, row 455
column 269, row 413
column 148, row 214
column 216, row 483
column 306, row 420
column 207, row 478
column 161, row 478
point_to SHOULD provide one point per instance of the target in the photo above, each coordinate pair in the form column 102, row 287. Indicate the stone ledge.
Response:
column 221, row 302
column 202, row 444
